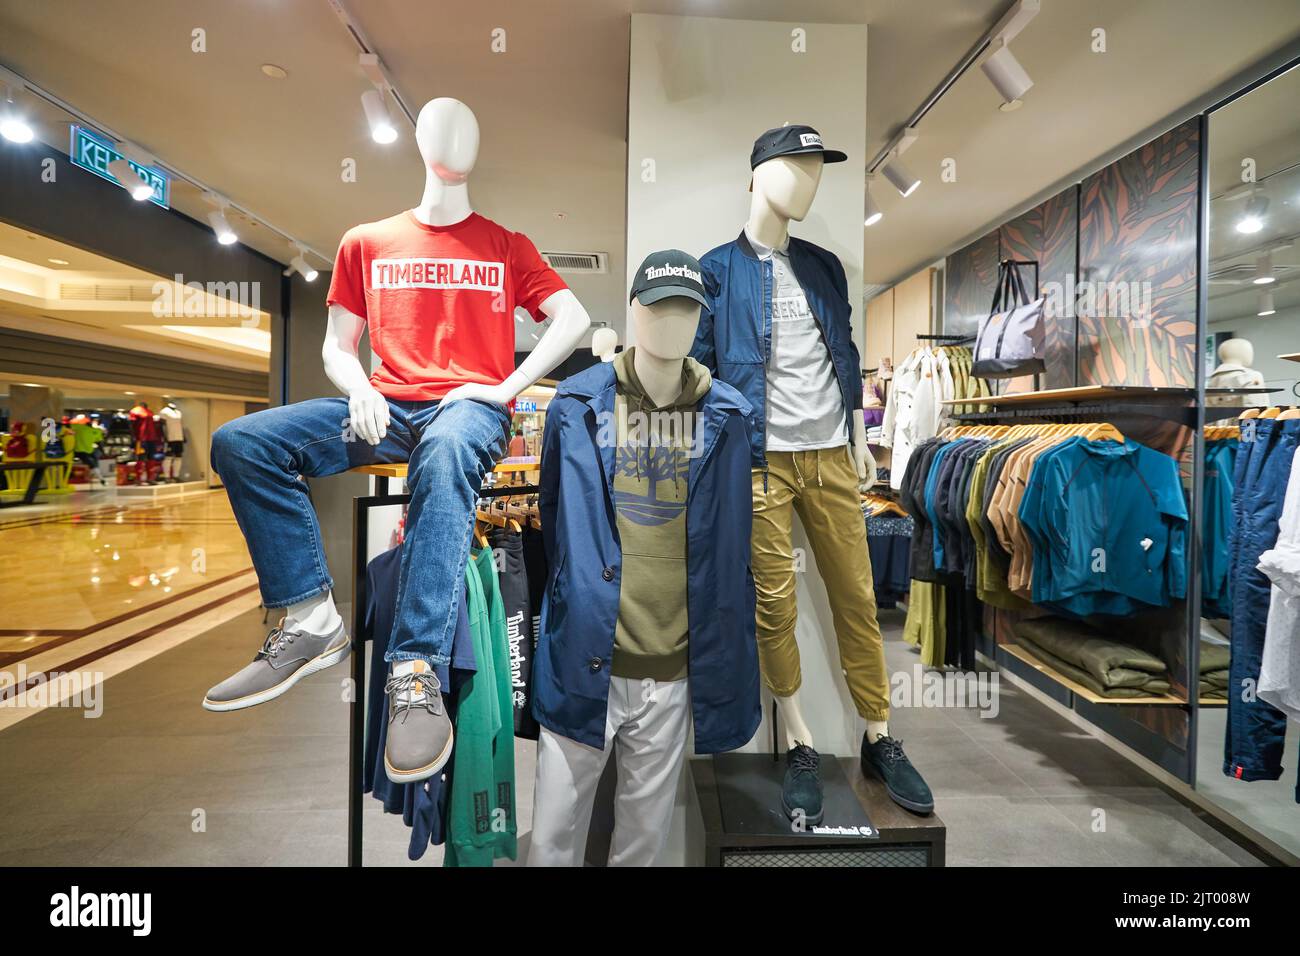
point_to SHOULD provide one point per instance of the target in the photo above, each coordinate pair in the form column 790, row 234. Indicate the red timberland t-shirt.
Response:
column 439, row 300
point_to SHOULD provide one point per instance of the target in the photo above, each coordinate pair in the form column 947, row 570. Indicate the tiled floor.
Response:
column 157, row 780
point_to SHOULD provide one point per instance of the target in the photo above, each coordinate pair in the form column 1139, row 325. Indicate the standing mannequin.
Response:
column 174, row 435
column 1236, row 356
column 648, row 621
column 603, row 344
column 780, row 332
column 438, row 286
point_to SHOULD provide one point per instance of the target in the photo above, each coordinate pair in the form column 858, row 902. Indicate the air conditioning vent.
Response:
column 107, row 291
column 592, row 262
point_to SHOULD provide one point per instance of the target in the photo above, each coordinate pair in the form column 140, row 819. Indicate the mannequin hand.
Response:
column 368, row 414
column 484, row 393
column 864, row 463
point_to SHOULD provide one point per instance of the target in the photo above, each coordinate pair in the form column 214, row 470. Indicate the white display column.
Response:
column 700, row 91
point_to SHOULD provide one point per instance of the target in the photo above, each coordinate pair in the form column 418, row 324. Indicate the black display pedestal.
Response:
column 740, row 799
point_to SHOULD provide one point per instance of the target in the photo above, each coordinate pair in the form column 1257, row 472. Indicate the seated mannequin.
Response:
column 438, row 285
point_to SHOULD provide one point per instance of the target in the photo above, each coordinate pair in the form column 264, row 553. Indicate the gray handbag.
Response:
column 1010, row 340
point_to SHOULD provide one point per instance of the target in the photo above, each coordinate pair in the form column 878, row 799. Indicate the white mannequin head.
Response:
column 787, row 185
column 447, row 134
column 603, row 343
column 1237, row 352
column 666, row 329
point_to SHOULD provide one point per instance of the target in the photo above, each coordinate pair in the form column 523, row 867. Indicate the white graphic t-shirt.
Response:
column 804, row 407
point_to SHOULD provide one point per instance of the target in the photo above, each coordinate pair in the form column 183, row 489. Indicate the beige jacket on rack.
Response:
column 912, row 411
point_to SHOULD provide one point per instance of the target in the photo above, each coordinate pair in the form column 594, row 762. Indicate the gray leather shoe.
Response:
column 286, row 657
column 419, row 731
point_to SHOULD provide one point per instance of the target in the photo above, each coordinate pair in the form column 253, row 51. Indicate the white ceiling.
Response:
column 553, row 107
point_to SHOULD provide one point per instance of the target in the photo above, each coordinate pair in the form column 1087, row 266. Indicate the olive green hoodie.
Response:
column 651, row 464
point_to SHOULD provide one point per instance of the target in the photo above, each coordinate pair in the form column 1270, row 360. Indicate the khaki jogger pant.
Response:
column 822, row 486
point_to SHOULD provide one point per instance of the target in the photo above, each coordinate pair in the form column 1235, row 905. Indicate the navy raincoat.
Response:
column 580, row 608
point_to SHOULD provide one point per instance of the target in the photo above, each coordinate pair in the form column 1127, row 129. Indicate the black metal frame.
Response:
column 361, row 507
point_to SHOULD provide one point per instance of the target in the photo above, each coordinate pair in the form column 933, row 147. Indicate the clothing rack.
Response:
column 943, row 337
column 361, row 506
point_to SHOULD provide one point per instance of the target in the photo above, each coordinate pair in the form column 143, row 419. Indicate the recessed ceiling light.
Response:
column 274, row 72
column 59, row 262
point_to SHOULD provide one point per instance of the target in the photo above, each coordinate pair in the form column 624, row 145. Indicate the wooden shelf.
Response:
column 1079, row 690
column 397, row 469
column 1080, row 393
column 1291, row 356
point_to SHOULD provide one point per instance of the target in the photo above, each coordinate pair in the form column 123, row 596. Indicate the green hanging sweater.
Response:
column 481, row 821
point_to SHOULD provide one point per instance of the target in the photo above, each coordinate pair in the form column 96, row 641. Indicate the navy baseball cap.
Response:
column 668, row 273
column 791, row 141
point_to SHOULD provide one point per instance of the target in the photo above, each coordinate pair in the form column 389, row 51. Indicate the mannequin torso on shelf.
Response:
column 604, row 342
column 1234, row 371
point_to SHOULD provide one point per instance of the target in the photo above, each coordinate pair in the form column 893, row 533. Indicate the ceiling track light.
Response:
column 1264, row 269
column 300, row 265
column 873, row 213
column 900, row 177
column 130, row 180
column 373, row 101
column 217, row 219
column 1266, row 306
column 13, row 126
column 1007, row 76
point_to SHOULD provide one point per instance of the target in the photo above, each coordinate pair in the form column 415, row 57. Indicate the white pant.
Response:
column 646, row 727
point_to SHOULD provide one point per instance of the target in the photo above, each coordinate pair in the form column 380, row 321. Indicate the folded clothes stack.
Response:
column 1214, row 671
column 1104, row 666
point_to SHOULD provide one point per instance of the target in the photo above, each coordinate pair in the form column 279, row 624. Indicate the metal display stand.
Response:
column 361, row 507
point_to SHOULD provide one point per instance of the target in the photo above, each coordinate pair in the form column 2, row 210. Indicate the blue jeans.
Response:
column 264, row 458
column 1256, row 729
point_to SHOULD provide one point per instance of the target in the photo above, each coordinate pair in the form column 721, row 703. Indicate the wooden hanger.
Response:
column 1270, row 413
column 1248, row 413
column 1289, row 414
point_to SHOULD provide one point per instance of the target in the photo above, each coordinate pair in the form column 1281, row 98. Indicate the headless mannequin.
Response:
column 1236, row 356
column 448, row 137
column 783, row 190
column 603, row 344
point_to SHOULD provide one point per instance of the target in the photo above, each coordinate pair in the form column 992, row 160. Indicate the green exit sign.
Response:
column 93, row 153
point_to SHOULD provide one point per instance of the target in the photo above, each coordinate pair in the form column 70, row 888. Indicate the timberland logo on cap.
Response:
column 665, row 271
column 810, row 139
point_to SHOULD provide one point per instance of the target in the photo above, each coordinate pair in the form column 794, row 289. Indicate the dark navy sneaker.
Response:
column 802, row 789
column 906, row 787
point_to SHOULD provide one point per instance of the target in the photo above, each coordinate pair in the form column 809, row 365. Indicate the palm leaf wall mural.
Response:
column 1137, row 240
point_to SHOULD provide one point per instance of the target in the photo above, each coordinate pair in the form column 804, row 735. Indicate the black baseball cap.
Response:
column 791, row 141
column 668, row 273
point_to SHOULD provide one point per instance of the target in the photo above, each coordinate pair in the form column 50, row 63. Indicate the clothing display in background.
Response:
column 470, row 805
column 1216, row 524
column 516, row 597
column 889, row 542
column 1055, row 515
column 1214, row 669
column 1256, row 729
column 1279, row 673
column 173, row 427
column 873, row 405
column 914, row 411
column 1092, row 658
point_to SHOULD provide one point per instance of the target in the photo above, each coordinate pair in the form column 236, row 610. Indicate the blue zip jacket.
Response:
column 734, row 340
column 580, row 608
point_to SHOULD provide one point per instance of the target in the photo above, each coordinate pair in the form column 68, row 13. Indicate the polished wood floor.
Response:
column 94, row 563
